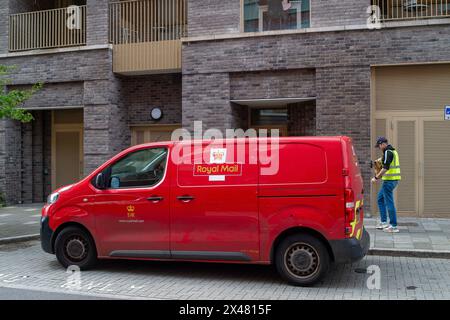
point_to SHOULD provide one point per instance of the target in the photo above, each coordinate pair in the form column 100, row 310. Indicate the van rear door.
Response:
column 354, row 189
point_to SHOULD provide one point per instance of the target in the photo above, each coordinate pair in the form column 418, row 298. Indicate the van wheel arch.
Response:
column 70, row 224
column 299, row 230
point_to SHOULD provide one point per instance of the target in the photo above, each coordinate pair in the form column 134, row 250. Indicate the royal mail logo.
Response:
column 218, row 155
column 130, row 211
column 224, row 169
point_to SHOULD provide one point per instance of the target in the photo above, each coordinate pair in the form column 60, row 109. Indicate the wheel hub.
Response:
column 76, row 249
column 302, row 260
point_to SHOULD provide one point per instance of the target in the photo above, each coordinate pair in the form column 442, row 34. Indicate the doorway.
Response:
column 269, row 119
column 152, row 133
column 67, row 147
column 421, row 139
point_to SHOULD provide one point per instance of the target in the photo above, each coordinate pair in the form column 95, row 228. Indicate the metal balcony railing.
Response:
column 146, row 35
column 52, row 28
column 394, row 10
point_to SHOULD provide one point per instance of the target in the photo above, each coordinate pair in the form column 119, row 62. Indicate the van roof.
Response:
column 281, row 139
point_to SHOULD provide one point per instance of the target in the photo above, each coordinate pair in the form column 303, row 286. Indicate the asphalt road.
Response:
column 27, row 294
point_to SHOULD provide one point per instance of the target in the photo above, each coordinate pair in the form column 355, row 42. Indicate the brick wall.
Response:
column 341, row 61
column 11, row 160
column 141, row 94
column 209, row 17
column 329, row 13
column 302, row 119
column 343, row 108
column 54, row 95
column 223, row 16
column 2, row 158
column 4, row 25
column 70, row 79
column 207, row 98
column 105, row 122
column 273, row 84
column 325, row 49
column 97, row 22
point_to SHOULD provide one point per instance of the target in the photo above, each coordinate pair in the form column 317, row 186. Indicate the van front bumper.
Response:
column 46, row 236
column 350, row 250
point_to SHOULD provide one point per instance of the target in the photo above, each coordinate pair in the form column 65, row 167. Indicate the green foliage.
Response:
column 11, row 100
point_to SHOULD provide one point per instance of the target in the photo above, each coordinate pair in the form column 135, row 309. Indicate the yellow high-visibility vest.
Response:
column 394, row 169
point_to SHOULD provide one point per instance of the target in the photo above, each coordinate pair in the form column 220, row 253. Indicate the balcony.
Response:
column 53, row 28
column 146, row 35
column 397, row 10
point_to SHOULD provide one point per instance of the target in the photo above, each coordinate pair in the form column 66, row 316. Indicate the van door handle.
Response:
column 155, row 199
column 185, row 198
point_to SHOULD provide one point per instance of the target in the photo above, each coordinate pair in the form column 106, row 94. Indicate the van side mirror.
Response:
column 100, row 181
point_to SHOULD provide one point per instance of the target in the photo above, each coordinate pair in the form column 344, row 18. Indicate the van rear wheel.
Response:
column 302, row 259
column 75, row 247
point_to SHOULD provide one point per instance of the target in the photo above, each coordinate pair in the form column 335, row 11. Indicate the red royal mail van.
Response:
column 293, row 202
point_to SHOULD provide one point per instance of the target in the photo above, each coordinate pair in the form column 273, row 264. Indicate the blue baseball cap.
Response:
column 381, row 140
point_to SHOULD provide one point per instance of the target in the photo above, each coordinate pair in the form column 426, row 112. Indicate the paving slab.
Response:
column 20, row 222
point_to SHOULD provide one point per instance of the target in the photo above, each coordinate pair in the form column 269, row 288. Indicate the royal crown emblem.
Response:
column 130, row 211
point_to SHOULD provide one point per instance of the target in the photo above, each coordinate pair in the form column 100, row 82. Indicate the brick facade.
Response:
column 334, row 67
column 213, row 17
column 302, row 119
column 141, row 94
column 273, row 84
column 329, row 13
column 339, row 63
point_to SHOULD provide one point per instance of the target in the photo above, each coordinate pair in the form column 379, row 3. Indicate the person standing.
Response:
column 390, row 175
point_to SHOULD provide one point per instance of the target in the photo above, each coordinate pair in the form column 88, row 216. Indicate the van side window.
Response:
column 143, row 168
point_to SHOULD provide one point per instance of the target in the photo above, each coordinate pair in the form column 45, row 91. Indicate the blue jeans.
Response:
column 386, row 199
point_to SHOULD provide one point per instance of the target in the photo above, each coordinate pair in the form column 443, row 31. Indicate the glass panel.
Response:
column 264, row 15
column 142, row 168
column 268, row 116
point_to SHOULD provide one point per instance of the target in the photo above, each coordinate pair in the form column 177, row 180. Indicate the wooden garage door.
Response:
column 409, row 106
column 412, row 88
column 436, row 170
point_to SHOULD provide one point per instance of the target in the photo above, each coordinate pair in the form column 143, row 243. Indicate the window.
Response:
column 143, row 168
column 261, row 117
column 265, row 15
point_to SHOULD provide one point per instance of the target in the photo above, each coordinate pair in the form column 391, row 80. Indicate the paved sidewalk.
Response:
column 20, row 220
column 417, row 235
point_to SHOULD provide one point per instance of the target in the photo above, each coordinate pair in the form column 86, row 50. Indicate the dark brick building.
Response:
column 312, row 67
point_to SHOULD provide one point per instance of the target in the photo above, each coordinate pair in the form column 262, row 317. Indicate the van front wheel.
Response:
column 75, row 247
column 302, row 259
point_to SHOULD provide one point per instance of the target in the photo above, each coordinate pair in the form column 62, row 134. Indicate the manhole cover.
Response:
column 411, row 288
column 360, row 270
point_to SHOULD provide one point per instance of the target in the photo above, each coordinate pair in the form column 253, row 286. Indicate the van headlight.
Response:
column 53, row 198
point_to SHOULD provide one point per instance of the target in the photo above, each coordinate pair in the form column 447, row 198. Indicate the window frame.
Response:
column 242, row 21
column 109, row 189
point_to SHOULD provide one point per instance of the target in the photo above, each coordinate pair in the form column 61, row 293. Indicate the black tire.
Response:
column 75, row 247
column 302, row 259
